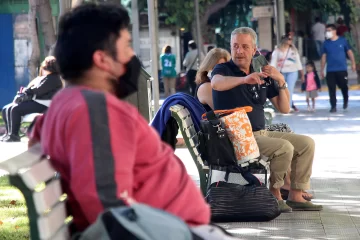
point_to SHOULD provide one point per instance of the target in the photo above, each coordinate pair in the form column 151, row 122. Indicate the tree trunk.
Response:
column 35, row 52
column 355, row 26
column 211, row 9
column 47, row 25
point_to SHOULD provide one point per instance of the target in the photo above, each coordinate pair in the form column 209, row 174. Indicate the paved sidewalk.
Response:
column 335, row 180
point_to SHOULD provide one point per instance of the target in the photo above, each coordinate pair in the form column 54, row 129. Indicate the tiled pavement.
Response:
column 335, row 180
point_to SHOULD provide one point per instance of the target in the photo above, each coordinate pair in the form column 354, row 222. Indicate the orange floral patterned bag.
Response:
column 240, row 133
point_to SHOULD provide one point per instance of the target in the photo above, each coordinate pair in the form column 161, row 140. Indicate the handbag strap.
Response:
column 212, row 118
column 282, row 65
column 224, row 112
column 188, row 69
column 216, row 123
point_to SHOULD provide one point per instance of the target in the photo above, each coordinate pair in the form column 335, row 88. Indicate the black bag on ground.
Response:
column 215, row 145
column 231, row 202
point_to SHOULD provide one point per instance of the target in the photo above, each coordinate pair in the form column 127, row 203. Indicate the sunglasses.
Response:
column 255, row 91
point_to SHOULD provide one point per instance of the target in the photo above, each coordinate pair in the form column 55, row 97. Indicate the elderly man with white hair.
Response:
column 235, row 84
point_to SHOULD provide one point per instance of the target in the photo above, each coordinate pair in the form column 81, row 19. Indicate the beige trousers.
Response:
column 286, row 150
column 169, row 86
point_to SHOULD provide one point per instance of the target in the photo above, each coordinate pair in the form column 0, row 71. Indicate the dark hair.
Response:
column 317, row 19
column 332, row 26
column 268, row 56
column 51, row 65
column 84, row 30
column 312, row 64
column 192, row 44
column 286, row 36
column 340, row 21
column 167, row 49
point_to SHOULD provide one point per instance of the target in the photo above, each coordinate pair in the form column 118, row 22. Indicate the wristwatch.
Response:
column 284, row 86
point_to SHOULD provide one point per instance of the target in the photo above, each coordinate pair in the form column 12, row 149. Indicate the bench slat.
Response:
column 183, row 113
column 40, row 172
column 23, row 160
column 51, row 223
column 47, row 198
column 190, row 131
column 187, row 122
column 62, row 234
column 176, row 108
column 29, row 118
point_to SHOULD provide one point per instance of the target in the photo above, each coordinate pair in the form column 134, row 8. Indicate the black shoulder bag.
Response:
column 215, row 145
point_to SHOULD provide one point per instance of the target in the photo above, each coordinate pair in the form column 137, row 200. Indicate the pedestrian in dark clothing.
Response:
column 334, row 53
column 33, row 99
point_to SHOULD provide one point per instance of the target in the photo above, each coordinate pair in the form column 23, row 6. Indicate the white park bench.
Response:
column 33, row 175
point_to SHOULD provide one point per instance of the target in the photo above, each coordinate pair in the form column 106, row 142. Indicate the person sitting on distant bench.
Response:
column 33, row 99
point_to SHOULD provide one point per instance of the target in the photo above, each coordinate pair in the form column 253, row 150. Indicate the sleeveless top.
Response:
column 207, row 107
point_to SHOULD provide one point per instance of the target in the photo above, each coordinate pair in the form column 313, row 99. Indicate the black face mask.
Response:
column 128, row 83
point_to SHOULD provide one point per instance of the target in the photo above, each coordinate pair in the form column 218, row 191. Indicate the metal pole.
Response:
column 153, row 29
column 276, row 23
column 198, row 31
column 135, row 27
column 62, row 7
column 281, row 17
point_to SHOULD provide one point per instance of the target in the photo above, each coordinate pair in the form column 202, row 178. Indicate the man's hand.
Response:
column 273, row 73
column 255, row 78
column 322, row 75
column 302, row 78
column 353, row 67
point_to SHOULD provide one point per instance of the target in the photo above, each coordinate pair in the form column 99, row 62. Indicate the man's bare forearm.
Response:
column 323, row 62
column 283, row 100
column 223, row 83
column 351, row 56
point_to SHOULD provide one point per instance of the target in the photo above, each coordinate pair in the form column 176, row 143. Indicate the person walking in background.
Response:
column 191, row 65
column 318, row 32
column 341, row 27
column 334, row 53
column 203, row 90
column 286, row 59
column 168, row 72
column 311, row 85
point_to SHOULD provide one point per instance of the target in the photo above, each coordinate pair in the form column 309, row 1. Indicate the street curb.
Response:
column 325, row 88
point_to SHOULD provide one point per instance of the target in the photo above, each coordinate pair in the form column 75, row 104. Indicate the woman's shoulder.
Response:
column 204, row 86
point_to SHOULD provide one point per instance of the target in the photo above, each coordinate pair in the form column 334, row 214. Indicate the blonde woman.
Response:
column 287, row 60
column 203, row 90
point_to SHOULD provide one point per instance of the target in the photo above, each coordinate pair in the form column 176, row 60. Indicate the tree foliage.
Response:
column 181, row 12
column 329, row 6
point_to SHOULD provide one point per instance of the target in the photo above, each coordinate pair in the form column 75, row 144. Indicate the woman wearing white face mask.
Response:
column 203, row 90
column 287, row 60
